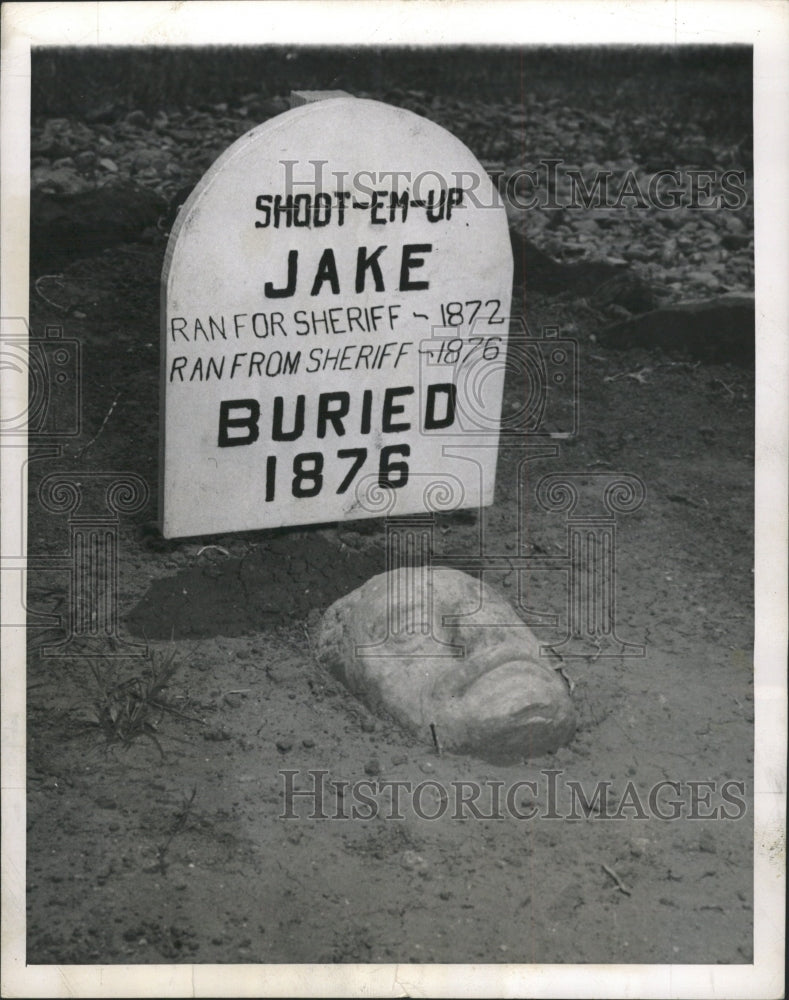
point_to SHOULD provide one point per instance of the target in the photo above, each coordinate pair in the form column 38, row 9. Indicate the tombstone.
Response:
column 335, row 303
column 299, row 97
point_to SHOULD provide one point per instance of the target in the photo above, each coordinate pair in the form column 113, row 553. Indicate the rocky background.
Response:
column 118, row 171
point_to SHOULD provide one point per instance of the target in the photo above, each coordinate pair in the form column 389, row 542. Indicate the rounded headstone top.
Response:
column 346, row 146
column 313, row 282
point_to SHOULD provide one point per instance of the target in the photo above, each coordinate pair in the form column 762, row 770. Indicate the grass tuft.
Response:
column 133, row 708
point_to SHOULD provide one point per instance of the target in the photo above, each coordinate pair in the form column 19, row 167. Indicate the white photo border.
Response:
column 764, row 24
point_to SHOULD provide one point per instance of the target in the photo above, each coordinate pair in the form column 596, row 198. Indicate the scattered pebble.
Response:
column 137, row 118
column 216, row 735
column 414, row 862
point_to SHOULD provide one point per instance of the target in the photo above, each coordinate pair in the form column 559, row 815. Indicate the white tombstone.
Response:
column 335, row 302
column 299, row 97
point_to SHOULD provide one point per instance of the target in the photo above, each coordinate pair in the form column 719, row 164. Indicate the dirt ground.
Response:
column 172, row 846
column 116, row 875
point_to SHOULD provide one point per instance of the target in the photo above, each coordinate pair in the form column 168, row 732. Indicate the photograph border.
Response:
column 762, row 24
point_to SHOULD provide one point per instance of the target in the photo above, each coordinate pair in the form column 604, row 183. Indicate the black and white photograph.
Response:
column 394, row 446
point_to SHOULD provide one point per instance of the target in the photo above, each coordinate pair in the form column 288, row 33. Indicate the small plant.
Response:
column 134, row 707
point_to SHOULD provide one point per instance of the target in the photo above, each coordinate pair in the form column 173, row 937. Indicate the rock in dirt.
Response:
column 719, row 329
column 65, row 226
column 501, row 700
column 538, row 272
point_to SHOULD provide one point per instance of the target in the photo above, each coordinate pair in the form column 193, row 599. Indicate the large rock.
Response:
column 501, row 700
column 66, row 226
column 716, row 330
